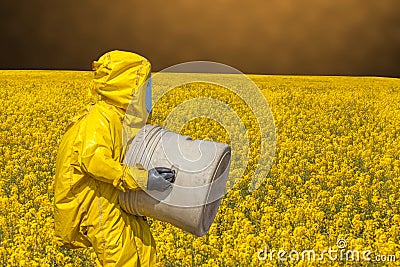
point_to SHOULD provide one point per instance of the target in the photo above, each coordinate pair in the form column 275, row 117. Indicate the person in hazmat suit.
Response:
column 90, row 169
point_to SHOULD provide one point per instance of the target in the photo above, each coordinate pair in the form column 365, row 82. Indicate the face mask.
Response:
column 148, row 96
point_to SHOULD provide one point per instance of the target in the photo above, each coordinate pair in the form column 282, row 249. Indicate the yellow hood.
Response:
column 119, row 76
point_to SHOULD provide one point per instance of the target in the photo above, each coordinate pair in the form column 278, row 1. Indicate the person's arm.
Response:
column 96, row 157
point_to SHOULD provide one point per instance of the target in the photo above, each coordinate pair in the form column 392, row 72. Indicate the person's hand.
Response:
column 160, row 179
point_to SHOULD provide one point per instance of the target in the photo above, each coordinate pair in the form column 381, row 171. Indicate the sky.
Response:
column 301, row 37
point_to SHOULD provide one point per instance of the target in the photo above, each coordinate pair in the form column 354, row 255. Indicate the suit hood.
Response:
column 119, row 77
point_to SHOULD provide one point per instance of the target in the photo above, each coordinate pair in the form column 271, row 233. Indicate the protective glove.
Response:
column 160, row 179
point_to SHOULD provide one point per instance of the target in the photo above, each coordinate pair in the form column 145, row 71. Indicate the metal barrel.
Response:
column 201, row 168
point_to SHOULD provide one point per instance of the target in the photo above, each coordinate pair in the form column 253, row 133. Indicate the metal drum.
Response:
column 201, row 169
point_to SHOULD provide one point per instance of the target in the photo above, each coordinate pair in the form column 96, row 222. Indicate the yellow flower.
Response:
column 335, row 174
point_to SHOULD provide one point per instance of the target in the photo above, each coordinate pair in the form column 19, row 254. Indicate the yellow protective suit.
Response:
column 90, row 169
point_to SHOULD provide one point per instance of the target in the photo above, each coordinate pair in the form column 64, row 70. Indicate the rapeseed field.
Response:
column 335, row 174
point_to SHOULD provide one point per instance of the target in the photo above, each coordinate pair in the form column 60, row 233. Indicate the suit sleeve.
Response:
column 96, row 157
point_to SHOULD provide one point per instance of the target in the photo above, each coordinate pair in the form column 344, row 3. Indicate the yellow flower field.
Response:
column 336, row 172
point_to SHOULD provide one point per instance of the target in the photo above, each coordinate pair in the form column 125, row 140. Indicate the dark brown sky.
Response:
column 340, row 37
